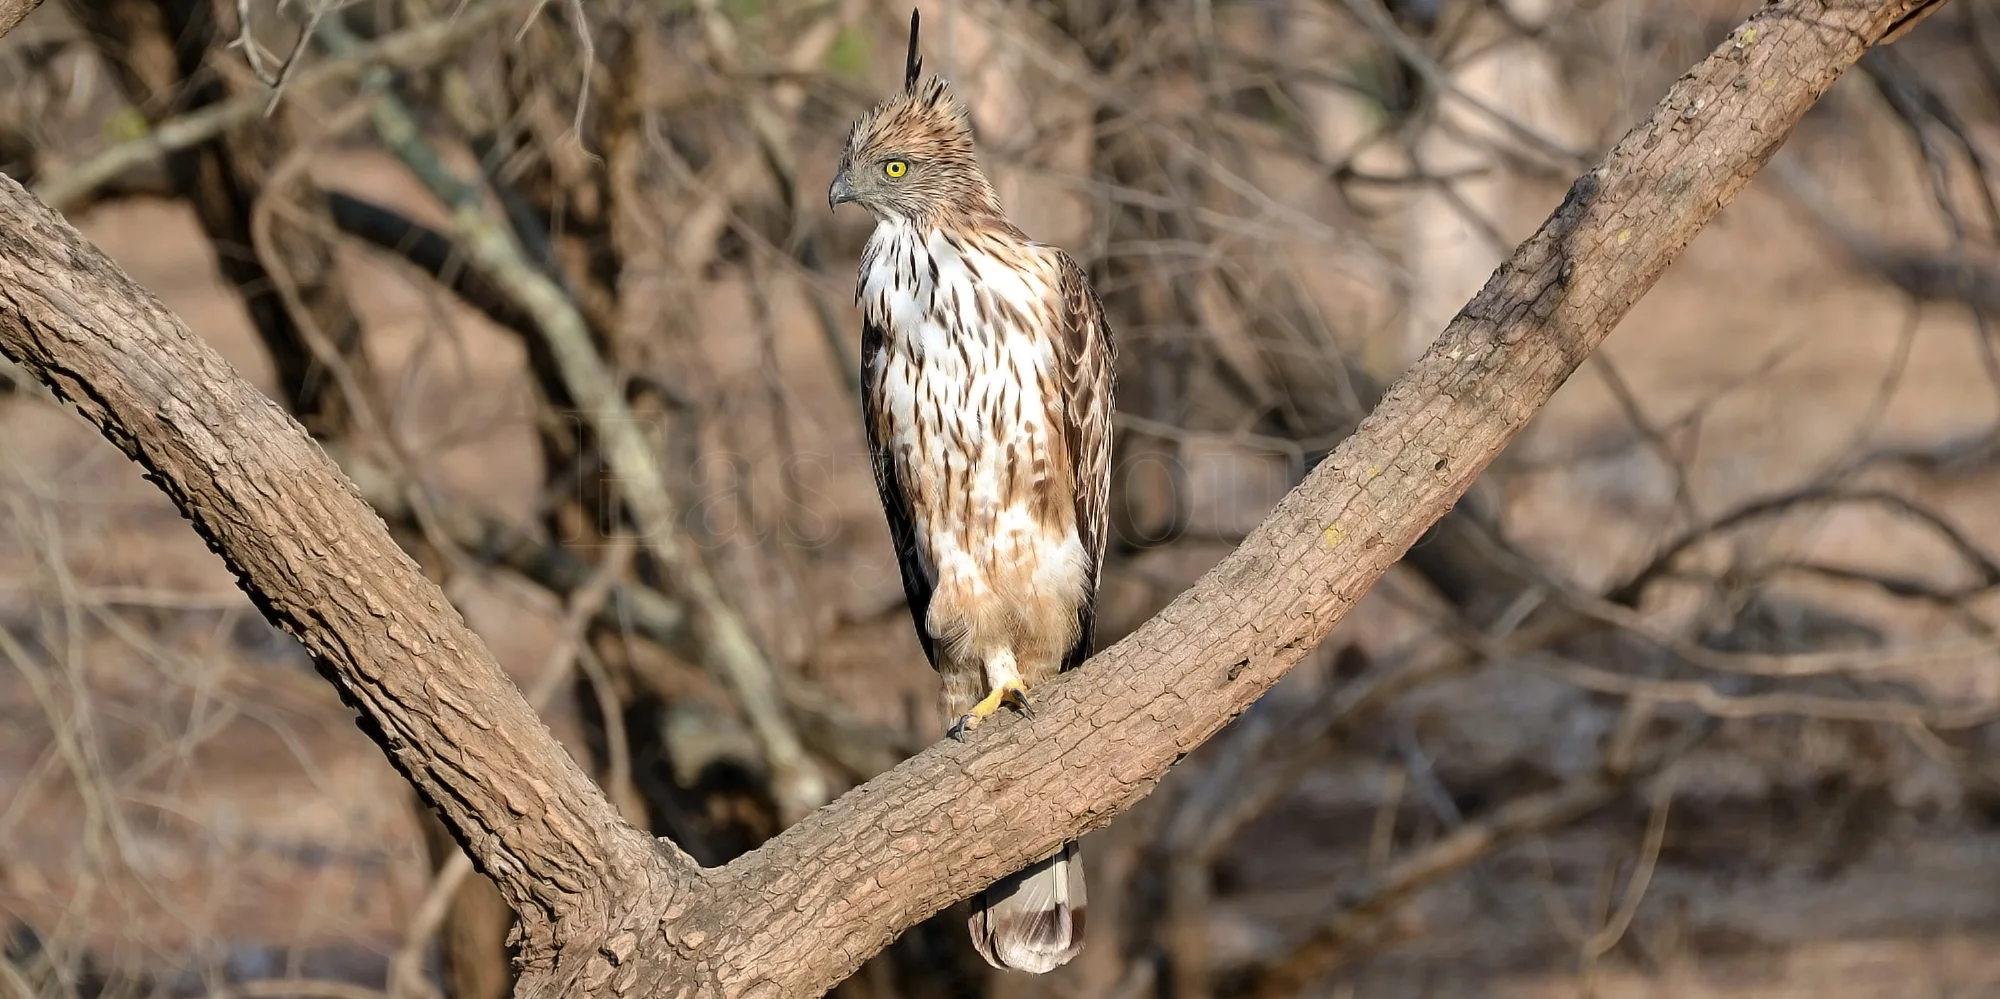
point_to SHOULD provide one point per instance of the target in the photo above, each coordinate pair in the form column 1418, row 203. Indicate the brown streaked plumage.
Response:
column 987, row 382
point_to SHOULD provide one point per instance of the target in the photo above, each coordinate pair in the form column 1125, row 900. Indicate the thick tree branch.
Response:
column 13, row 12
column 319, row 563
column 607, row 912
column 950, row 821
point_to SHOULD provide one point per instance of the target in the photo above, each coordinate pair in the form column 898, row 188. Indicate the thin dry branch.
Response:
column 645, row 610
column 1985, row 568
column 604, row 909
column 860, row 748
column 725, row 639
column 432, row 252
column 1376, row 19
column 413, row 46
column 1351, row 923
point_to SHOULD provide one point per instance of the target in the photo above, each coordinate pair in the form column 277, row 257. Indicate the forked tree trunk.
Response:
column 607, row 910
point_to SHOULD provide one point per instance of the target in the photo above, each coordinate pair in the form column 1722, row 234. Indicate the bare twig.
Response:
column 412, row 46
column 1352, row 922
column 292, row 58
column 651, row 613
column 1371, row 14
column 726, row 641
column 1984, row 567
column 1714, row 702
column 278, row 186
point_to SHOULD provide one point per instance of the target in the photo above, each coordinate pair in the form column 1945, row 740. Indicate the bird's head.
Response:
column 911, row 156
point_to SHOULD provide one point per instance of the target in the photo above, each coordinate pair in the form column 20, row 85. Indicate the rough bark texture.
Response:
column 12, row 12
column 317, row 561
column 606, row 911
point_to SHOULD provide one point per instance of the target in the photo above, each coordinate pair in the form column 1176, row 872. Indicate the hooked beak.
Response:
column 840, row 193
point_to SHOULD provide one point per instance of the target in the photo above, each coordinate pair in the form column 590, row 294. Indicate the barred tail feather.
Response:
column 1033, row 920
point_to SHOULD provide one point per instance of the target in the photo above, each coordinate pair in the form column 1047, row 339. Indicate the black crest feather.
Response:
column 914, row 65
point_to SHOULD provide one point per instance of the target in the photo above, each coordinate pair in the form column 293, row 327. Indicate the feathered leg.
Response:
column 1003, row 685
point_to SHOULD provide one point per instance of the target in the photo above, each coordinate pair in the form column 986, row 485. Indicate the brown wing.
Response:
column 917, row 584
column 1089, row 364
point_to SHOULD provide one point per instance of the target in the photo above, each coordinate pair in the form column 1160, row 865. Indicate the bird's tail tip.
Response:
column 1033, row 921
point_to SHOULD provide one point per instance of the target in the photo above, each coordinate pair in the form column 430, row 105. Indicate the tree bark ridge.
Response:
column 13, row 12
column 317, row 561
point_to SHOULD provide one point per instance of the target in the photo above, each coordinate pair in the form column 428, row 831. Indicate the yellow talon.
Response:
column 1011, row 691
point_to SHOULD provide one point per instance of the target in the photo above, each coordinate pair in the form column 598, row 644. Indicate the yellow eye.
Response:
column 895, row 168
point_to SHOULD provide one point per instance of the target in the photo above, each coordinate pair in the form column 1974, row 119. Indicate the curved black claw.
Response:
column 1018, row 697
column 1012, row 693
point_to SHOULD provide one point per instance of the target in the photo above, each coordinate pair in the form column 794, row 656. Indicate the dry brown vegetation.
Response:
column 1689, row 697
